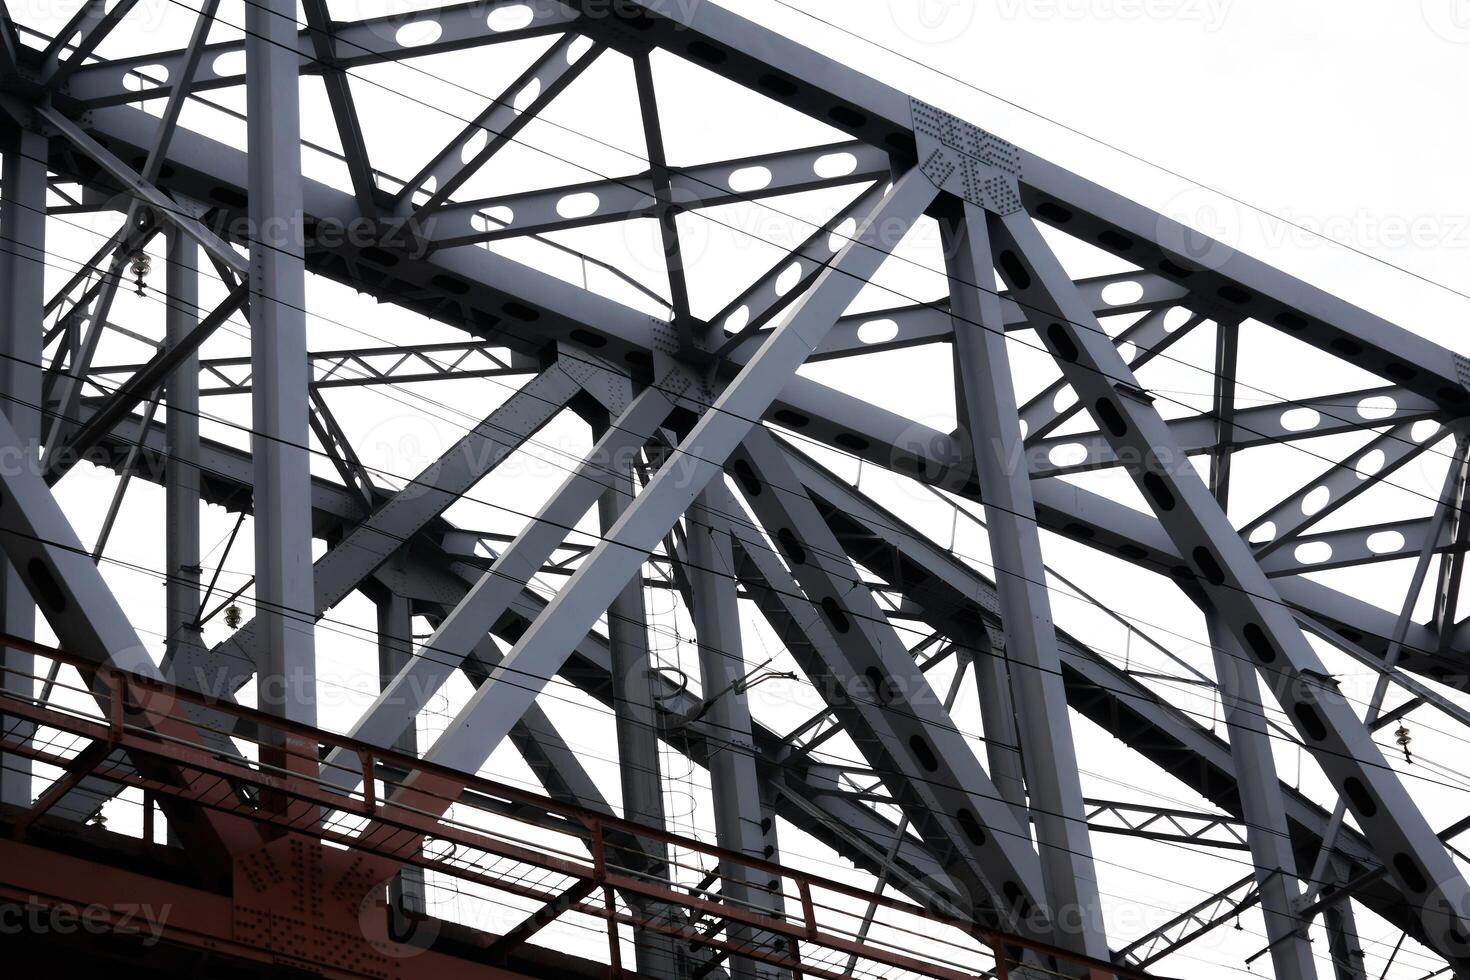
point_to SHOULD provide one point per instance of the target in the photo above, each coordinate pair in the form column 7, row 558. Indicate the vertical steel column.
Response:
column 987, row 394
column 998, row 720
column 636, row 721
column 395, row 648
column 1342, row 937
column 181, row 470
column 733, row 780
column 22, row 300
column 1219, row 564
column 283, row 572
column 1261, row 802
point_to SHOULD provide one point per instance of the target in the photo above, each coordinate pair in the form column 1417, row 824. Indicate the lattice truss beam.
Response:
column 725, row 502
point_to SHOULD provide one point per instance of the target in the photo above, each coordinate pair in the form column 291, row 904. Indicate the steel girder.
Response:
column 354, row 557
column 987, row 394
column 23, row 222
column 845, row 98
column 1222, row 569
column 880, row 115
column 863, row 670
column 484, row 720
column 954, row 597
column 357, row 43
column 951, row 591
column 499, row 299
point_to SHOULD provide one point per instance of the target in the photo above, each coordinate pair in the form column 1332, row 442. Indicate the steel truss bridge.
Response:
column 281, row 845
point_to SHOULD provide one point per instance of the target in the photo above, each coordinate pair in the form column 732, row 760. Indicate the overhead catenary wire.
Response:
column 305, row 616
column 1334, row 463
column 519, row 139
column 778, row 488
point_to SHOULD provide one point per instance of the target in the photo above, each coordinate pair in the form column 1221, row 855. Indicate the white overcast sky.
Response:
column 1342, row 117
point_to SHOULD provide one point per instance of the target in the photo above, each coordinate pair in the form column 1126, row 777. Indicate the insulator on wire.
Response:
column 141, row 263
column 232, row 616
column 1403, row 737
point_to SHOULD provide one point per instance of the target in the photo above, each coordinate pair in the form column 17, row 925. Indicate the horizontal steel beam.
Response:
column 370, row 41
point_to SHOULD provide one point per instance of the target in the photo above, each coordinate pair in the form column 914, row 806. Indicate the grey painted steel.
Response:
column 635, row 716
column 1150, row 337
column 1264, row 424
column 63, row 384
column 538, row 740
column 98, row 20
column 498, row 124
column 998, row 722
column 738, row 49
column 356, row 43
column 927, row 323
column 899, row 833
column 485, row 719
column 896, row 720
column 479, row 610
column 367, row 545
column 1449, row 497
column 22, row 296
column 734, row 780
column 1277, row 878
column 395, row 646
column 321, row 32
column 764, row 299
column 987, row 394
column 704, row 185
column 819, row 411
column 1342, row 940
column 499, row 296
column 1171, row 738
column 354, row 367
column 181, row 479
column 286, row 654
column 665, row 210
column 1225, row 572
column 1339, row 484
column 948, row 591
column 147, row 193
column 1327, row 319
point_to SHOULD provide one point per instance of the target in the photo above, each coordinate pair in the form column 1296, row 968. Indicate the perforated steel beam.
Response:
column 508, row 292
column 896, row 718
column 988, row 399
column 1221, row 567
column 368, row 41
column 948, row 592
column 481, row 608
column 485, row 719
